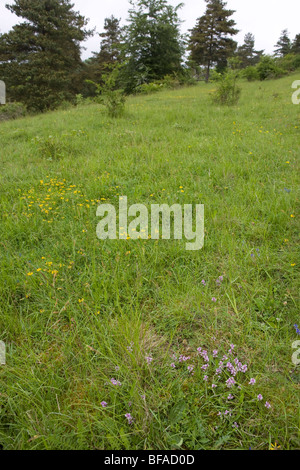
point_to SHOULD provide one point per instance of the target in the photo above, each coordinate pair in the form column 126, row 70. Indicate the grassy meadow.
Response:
column 103, row 338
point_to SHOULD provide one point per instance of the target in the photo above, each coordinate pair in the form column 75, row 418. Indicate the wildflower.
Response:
column 203, row 282
column 80, row 300
column 129, row 418
column 29, row 274
column 215, row 353
column 183, row 358
column 173, row 365
column 274, row 446
column 297, row 329
column 104, row 404
column 230, row 382
column 230, row 397
column 115, row 382
column 213, row 386
column 267, row 405
column 235, row 425
column 259, row 397
column 214, row 299
column 252, row 381
column 149, row 359
column 205, row 378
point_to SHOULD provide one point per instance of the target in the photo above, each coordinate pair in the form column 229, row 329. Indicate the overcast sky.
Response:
column 264, row 18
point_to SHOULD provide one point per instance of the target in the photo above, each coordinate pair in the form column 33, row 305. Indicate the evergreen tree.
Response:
column 40, row 57
column 247, row 53
column 283, row 45
column 296, row 45
column 153, row 47
column 110, row 50
column 210, row 41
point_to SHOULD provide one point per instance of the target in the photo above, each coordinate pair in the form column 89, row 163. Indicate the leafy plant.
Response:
column 109, row 95
column 12, row 111
column 227, row 92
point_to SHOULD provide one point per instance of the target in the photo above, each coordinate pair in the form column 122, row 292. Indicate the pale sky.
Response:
column 264, row 18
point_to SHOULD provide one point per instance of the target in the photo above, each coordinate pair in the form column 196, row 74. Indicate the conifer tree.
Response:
column 153, row 45
column 296, row 44
column 247, row 53
column 283, row 45
column 40, row 57
column 110, row 49
column 210, row 42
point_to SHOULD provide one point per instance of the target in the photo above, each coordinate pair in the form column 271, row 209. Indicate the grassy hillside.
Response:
column 98, row 329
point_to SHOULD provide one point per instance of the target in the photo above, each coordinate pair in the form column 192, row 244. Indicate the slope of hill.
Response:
column 102, row 337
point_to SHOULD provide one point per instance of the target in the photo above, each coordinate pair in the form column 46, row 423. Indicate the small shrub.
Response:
column 227, row 92
column 12, row 111
column 148, row 88
column 114, row 101
column 57, row 147
column 109, row 95
column 250, row 73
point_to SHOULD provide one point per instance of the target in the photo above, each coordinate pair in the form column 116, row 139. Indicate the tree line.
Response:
column 40, row 58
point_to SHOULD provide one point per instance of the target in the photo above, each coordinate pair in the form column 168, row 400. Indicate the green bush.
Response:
column 12, row 111
column 268, row 68
column 109, row 95
column 148, row 88
column 289, row 63
column 250, row 73
column 227, row 92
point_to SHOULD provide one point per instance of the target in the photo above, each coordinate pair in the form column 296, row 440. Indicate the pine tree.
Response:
column 40, row 57
column 296, row 45
column 283, row 45
column 210, row 41
column 110, row 50
column 247, row 53
column 153, row 46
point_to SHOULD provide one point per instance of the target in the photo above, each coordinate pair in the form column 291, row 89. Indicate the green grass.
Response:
column 72, row 304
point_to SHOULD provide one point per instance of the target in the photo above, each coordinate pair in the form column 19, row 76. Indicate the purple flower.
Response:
column 173, row 365
column 205, row 378
column 267, row 405
column 115, row 382
column 230, row 382
column 235, row 425
column 149, row 359
column 213, row 386
column 129, row 418
column 190, row 368
column 230, row 397
column 214, row 299
column 259, row 397
column 252, row 382
column 129, row 348
column 104, row 404
column 203, row 282
column 183, row 358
